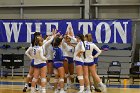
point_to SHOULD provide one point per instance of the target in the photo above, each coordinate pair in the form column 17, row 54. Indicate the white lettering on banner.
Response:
column 48, row 26
column 107, row 32
column 15, row 28
column 85, row 27
column 29, row 30
column 123, row 33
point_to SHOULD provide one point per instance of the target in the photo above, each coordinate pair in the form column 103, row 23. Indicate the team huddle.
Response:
column 59, row 55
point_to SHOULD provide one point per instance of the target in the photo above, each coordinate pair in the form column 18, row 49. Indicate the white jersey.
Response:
column 68, row 50
column 29, row 52
column 49, row 50
column 38, row 55
column 79, row 47
column 89, row 46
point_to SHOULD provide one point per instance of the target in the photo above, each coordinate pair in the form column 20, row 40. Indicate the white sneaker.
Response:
column 92, row 87
column 43, row 91
column 56, row 91
column 62, row 91
column 103, row 89
column 87, row 91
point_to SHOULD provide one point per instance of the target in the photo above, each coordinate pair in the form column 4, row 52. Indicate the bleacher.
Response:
column 120, row 54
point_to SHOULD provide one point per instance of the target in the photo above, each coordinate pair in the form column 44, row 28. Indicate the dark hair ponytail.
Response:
column 81, row 37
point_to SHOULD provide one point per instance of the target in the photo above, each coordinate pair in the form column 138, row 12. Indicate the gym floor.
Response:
column 15, row 85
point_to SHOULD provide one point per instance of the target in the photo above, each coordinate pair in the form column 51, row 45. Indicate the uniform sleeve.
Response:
column 28, row 53
column 45, row 43
column 42, row 54
column 97, row 49
column 73, row 38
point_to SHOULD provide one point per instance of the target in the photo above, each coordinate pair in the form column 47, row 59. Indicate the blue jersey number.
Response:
column 87, row 47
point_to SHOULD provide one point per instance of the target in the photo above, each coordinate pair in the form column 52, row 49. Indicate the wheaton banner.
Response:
column 103, row 31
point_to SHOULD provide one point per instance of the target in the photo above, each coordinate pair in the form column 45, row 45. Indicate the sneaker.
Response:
column 43, row 90
column 103, row 89
column 97, row 90
column 87, row 91
column 25, row 89
column 56, row 91
column 62, row 91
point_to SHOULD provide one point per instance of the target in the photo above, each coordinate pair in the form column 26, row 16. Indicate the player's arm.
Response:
column 82, row 49
column 27, row 53
column 42, row 54
column 98, row 51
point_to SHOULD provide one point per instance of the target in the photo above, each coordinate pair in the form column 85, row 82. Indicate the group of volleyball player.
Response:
column 59, row 55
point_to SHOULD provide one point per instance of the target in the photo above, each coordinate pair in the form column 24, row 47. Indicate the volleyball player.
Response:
column 40, row 63
column 79, row 59
column 49, row 55
column 58, row 65
column 89, row 64
column 68, row 50
column 29, row 54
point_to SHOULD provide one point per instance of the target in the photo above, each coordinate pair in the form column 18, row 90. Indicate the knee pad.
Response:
column 34, row 80
column 80, row 77
column 43, row 80
column 61, row 80
column 29, row 76
column 49, row 75
column 72, row 76
column 66, row 75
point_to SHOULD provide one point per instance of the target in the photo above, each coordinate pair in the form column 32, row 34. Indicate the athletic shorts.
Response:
column 32, row 63
column 70, row 60
column 57, row 64
column 40, row 65
column 95, row 60
column 89, row 64
column 79, row 63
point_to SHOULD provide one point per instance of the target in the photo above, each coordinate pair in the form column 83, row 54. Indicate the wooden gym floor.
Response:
column 16, row 85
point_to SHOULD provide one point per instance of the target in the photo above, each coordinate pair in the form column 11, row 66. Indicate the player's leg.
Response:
column 61, row 72
column 28, row 79
column 86, row 79
column 66, row 73
column 43, row 72
column 35, row 79
column 79, row 71
column 97, row 78
column 49, row 73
